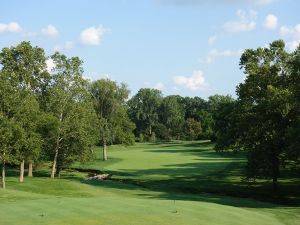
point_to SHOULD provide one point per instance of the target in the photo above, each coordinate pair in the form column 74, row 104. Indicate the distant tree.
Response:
column 171, row 114
column 214, row 105
column 207, row 123
column 226, row 126
column 198, row 109
column 215, row 100
column 143, row 110
column 109, row 100
column 192, row 106
column 162, row 132
column 193, row 129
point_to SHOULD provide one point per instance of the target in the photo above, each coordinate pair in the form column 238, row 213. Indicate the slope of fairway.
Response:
column 73, row 200
column 163, row 161
column 186, row 167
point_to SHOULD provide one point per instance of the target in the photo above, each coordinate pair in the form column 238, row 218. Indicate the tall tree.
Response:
column 143, row 109
column 26, row 67
column 109, row 102
column 27, row 116
column 267, row 110
column 10, row 130
column 70, row 134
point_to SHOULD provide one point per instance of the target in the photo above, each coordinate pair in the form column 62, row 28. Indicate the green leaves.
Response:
column 109, row 101
column 71, row 130
column 266, row 112
column 143, row 109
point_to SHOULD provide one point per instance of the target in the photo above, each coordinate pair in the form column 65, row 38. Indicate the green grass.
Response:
column 166, row 183
column 187, row 166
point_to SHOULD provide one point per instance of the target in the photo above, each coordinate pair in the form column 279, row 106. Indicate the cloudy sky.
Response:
column 186, row 47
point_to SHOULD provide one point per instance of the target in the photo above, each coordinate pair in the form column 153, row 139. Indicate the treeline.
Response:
column 174, row 116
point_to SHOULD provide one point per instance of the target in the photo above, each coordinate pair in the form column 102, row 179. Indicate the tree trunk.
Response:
column 150, row 130
column 53, row 170
column 54, row 163
column 30, row 168
column 104, row 151
column 56, row 149
column 3, row 174
column 21, row 178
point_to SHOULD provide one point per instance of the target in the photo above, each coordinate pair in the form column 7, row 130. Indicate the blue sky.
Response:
column 186, row 47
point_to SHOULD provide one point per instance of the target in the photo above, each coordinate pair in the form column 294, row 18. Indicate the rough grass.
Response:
column 184, row 170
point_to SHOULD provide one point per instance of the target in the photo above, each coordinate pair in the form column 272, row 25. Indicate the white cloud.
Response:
column 93, row 35
column 50, row 65
column 65, row 46
column 159, row 86
column 95, row 76
column 293, row 32
column 50, row 31
column 246, row 22
column 292, row 35
column 212, row 39
column 214, row 53
column 271, row 22
column 12, row 27
column 292, row 45
column 193, row 83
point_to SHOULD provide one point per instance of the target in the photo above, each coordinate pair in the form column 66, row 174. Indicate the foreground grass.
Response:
column 63, row 201
column 179, row 167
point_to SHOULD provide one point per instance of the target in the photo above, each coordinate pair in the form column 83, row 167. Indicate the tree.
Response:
column 216, row 105
column 143, row 110
column 198, row 109
column 293, row 132
column 26, row 69
column 109, row 103
column 171, row 114
column 226, row 127
column 193, row 129
column 268, row 109
column 71, row 132
column 27, row 116
column 215, row 100
column 10, row 130
column 10, row 134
